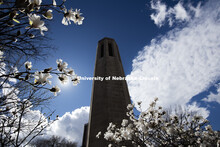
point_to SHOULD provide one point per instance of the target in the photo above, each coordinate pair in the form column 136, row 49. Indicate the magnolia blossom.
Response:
column 71, row 15
column 130, row 106
column 77, row 19
column 75, row 80
column 61, row 66
column 98, row 135
column 54, row 3
column 109, row 135
column 48, row 14
column 70, row 72
column 68, row 16
column 28, row 65
column 124, row 122
column 36, row 2
column 36, row 23
column 63, row 78
column 126, row 133
column 154, row 127
column 55, row 90
column 31, row 36
column 42, row 78
column 1, row 55
column 170, row 130
column 208, row 128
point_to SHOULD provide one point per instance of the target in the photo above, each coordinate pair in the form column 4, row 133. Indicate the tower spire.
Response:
column 109, row 97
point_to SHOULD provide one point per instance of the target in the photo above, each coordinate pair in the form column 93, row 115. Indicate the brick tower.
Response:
column 109, row 97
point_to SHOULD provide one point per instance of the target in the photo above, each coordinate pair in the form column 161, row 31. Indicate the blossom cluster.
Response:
column 31, row 9
column 42, row 77
column 155, row 127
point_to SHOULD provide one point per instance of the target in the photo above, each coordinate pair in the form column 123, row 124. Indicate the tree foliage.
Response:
column 53, row 141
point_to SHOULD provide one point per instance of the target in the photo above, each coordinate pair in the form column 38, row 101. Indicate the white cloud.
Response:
column 186, row 61
column 213, row 97
column 177, row 13
column 194, row 107
column 161, row 13
column 196, row 9
column 180, row 12
column 71, row 125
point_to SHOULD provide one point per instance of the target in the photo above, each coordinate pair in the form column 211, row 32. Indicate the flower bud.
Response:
column 48, row 70
column 18, row 33
column 13, row 14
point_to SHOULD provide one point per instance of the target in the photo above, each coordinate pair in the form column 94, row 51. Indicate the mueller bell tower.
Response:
column 109, row 97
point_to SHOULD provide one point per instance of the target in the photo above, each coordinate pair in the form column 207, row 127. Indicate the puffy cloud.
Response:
column 194, row 107
column 161, row 13
column 186, row 61
column 180, row 12
column 177, row 13
column 71, row 125
column 213, row 97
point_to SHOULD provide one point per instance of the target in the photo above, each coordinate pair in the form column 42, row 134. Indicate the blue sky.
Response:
column 178, row 44
column 120, row 20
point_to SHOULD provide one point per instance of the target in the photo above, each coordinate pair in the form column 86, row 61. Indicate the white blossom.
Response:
column 218, row 143
column 75, row 80
column 48, row 14
column 98, row 135
column 125, row 133
column 130, row 106
column 208, row 128
column 28, row 65
column 70, row 72
column 111, row 126
column 108, row 135
column 36, row 23
column 36, row 2
column 197, row 133
column 42, row 78
column 68, row 16
column 55, row 90
column 124, row 122
column 77, row 19
column 1, row 55
column 61, row 66
column 154, row 127
column 170, row 130
column 71, row 15
column 54, row 3
column 63, row 78
column 31, row 36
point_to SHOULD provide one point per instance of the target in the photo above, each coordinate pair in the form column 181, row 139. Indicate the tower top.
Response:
column 106, row 38
column 107, row 52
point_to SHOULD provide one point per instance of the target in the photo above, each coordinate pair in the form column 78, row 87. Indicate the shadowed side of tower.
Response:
column 109, row 97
